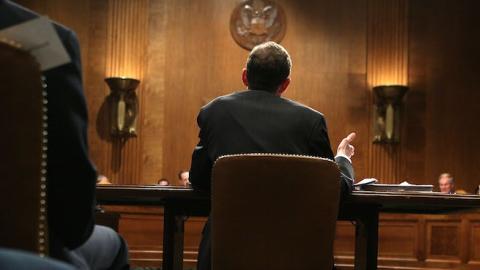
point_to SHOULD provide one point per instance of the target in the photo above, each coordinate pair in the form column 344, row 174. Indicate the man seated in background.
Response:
column 103, row 180
column 183, row 178
column 71, row 177
column 163, row 182
column 446, row 183
column 259, row 120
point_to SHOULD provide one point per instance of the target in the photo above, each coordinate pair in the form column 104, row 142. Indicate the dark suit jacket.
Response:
column 71, row 175
column 256, row 121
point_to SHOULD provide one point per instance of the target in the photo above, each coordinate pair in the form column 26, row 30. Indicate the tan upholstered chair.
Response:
column 22, row 153
column 274, row 212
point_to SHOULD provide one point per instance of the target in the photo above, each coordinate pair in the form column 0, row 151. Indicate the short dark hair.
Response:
column 268, row 65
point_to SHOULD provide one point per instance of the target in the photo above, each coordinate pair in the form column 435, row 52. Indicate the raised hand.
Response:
column 345, row 148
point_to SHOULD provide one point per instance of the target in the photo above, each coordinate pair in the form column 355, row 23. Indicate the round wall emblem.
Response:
column 257, row 21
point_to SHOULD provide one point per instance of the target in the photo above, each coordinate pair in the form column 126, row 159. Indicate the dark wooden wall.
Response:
column 442, row 117
column 183, row 53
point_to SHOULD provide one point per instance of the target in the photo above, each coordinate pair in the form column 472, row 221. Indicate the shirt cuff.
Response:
column 342, row 155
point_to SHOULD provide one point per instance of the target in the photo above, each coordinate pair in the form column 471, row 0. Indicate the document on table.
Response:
column 366, row 181
column 38, row 37
column 371, row 184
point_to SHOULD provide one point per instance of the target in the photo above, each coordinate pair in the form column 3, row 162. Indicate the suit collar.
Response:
column 261, row 92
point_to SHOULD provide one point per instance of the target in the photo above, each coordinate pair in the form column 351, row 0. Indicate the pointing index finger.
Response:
column 351, row 137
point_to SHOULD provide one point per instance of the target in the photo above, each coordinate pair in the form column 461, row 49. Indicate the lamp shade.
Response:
column 390, row 93
column 122, row 83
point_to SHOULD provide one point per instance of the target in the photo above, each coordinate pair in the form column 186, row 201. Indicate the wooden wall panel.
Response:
column 193, row 233
column 450, row 241
column 77, row 20
column 95, row 88
column 154, row 96
column 344, row 246
column 340, row 50
column 442, row 104
column 127, row 35
column 141, row 228
column 144, row 242
column 399, row 238
column 474, row 237
column 446, row 247
column 203, row 62
column 328, row 46
column 386, row 65
column 113, row 40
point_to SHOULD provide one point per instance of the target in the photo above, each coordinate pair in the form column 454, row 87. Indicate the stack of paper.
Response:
column 370, row 184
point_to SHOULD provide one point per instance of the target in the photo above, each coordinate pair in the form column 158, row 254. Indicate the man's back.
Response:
column 256, row 121
column 259, row 121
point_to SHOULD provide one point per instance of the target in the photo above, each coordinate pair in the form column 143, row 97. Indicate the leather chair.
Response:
column 23, row 138
column 273, row 211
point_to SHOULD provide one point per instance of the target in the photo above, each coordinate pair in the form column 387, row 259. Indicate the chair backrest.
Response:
column 22, row 152
column 273, row 211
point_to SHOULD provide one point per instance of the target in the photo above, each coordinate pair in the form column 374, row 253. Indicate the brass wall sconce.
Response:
column 387, row 113
column 123, row 106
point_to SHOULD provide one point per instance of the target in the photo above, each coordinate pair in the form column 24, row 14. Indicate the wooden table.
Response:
column 362, row 207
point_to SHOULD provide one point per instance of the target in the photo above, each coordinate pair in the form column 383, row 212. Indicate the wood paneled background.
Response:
column 406, row 241
column 184, row 55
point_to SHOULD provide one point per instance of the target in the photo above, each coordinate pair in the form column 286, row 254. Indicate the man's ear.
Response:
column 244, row 77
column 283, row 87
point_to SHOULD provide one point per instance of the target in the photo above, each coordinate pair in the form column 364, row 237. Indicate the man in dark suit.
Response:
column 71, row 177
column 259, row 120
